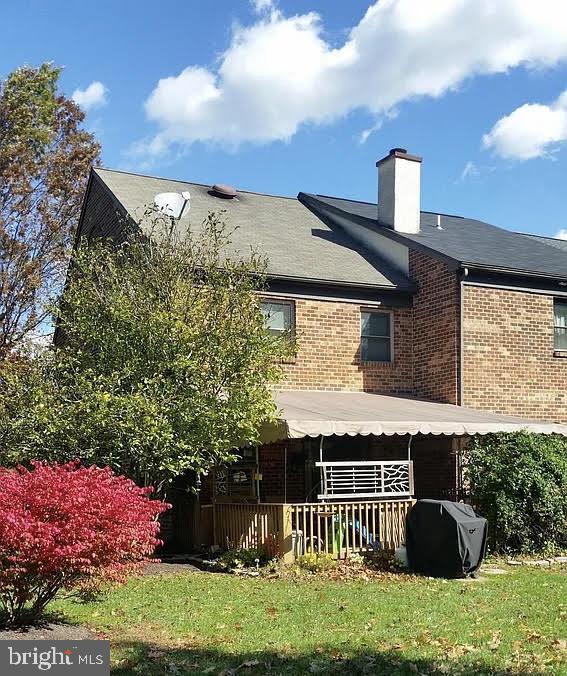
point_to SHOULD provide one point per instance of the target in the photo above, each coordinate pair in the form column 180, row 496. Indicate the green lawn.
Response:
column 220, row 624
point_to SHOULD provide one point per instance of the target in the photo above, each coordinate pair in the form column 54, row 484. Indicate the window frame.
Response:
column 390, row 314
column 556, row 348
column 281, row 301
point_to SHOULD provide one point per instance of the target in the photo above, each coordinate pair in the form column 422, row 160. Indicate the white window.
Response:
column 560, row 323
column 376, row 336
column 279, row 315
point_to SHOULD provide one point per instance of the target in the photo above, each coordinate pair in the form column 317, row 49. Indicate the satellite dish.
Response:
column 172, row 203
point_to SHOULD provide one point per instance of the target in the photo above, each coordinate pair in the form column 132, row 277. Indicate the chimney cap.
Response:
column 399, row 152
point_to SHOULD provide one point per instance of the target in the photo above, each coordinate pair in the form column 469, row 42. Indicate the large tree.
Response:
column 165, row 364
column 45, row 156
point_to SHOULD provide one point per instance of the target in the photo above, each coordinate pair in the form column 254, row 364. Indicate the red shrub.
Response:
column 69, row 527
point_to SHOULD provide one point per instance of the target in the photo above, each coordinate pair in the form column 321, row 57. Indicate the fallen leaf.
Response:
column 495, row 641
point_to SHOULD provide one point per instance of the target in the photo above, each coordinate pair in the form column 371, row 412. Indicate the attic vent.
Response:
column 227, row 192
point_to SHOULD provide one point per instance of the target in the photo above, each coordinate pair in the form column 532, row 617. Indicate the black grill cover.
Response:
column 445, row 539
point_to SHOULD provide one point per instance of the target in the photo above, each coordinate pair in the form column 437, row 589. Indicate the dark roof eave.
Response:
column 410, row 288
column 511, row 271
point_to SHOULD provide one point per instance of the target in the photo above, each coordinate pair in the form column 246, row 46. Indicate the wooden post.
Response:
column 214, row 515
column 285, row 543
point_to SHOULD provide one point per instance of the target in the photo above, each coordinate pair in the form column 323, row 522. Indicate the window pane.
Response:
column 561, row 339
column 277, row 315
column 375, row 324
column 561, row 314
column 375, row 349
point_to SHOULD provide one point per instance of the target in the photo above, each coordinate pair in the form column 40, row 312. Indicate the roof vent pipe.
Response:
column 399, row 178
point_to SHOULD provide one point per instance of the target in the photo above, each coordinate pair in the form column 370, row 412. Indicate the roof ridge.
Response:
column 202, row 185
column 375, row 204
column 344, row 199
column 533, row 234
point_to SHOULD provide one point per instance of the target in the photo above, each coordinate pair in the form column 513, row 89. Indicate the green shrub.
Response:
column 519, row 483
column 316, row 563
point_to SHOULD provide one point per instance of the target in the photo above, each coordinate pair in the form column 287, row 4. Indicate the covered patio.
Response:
column 338, row 471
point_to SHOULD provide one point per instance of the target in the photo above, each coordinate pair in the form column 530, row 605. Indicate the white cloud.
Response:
column 93, row 96
column 260, row 6
column 469, row 170
column 532, row 130
column 561, row 234
column 281, row 72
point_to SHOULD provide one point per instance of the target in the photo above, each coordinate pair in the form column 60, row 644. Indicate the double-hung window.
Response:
column 376, row 336
column 560, row 324
column 279, row 316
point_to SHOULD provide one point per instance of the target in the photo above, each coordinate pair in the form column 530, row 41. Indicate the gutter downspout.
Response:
column 457, row 443
column 461, row 337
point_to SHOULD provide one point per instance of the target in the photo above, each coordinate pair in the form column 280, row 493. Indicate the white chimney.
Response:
column 399, row 190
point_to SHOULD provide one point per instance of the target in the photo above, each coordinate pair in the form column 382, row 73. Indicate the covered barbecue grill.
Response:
column 445, row 539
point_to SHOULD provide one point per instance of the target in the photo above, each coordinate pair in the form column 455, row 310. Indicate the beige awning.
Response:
column 311, row 414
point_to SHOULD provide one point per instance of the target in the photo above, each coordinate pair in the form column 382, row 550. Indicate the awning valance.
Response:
column 311, row 414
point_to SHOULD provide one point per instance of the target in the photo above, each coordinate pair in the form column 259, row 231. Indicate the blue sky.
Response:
column 276, row 97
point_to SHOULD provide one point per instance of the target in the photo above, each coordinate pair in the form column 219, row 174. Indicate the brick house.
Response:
column 415, row 330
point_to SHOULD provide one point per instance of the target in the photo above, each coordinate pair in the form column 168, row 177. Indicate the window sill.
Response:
column 560, row 354
column 376, row 363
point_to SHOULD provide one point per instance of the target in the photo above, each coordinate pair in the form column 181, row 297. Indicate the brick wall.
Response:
column 509, row 365
column 436, row 329
column 328, row 358
column 278, row 484
column 426, row 342
column 101, row 217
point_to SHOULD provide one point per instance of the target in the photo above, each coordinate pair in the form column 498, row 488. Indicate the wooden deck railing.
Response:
column 245, row 526
column 289, row 530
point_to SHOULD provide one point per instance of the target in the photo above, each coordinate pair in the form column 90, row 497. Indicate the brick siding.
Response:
column 509, row 364
column 102, row 217
column 426, row 340
column 436, row 337
column 328, row 358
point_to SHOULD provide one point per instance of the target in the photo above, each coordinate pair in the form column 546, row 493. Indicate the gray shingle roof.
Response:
column 550, row 241
column 466, row 241
column 296, row 242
